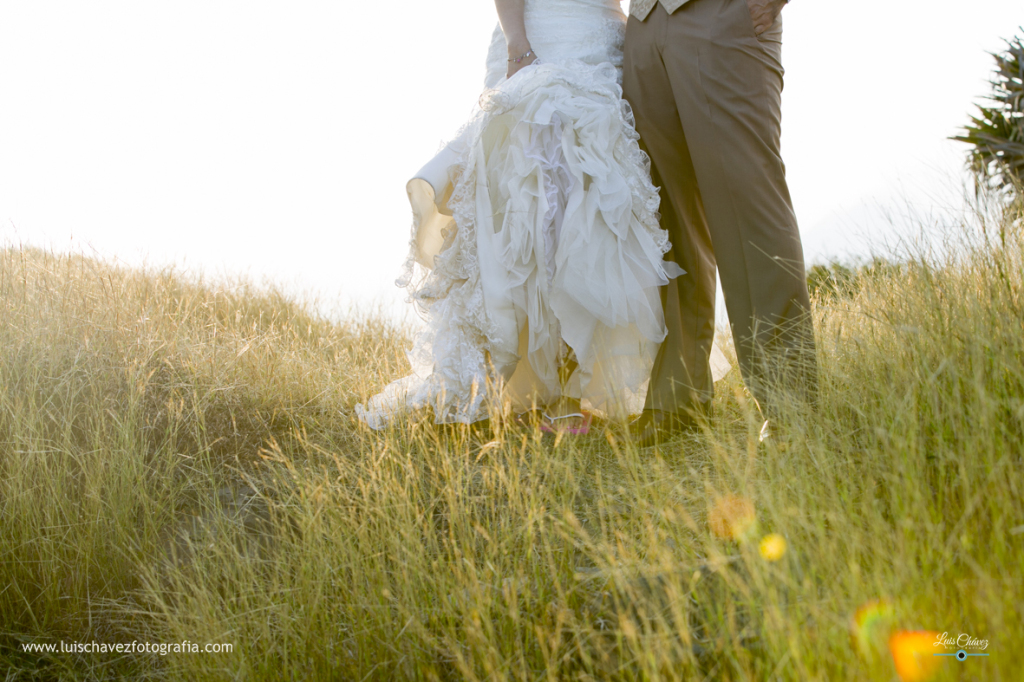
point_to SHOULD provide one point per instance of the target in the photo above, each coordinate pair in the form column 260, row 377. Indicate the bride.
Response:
column 536, row 253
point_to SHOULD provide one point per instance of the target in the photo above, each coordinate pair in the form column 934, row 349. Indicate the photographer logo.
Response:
column 960, row 646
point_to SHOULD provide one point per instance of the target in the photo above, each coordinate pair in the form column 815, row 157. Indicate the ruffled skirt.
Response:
column 536, row 256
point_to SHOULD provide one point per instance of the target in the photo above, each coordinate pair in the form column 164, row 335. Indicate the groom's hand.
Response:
column 764, row 12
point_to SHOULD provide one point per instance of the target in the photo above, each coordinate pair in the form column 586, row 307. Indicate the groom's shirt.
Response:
column 641, row 8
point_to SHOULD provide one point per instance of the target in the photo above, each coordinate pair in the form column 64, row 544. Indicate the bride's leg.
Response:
column 566, row 409
column 563, row 407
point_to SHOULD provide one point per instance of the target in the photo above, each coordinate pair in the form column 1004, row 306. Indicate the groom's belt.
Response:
column 641, row 8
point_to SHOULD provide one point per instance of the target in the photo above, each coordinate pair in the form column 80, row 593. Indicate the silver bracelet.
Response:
column 521, row 58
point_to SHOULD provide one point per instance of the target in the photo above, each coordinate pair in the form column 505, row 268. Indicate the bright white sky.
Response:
column 276, row 138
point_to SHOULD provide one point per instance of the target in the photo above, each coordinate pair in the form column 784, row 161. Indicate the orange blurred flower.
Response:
column 914, row 654
column 732, row 518
column 772, row 547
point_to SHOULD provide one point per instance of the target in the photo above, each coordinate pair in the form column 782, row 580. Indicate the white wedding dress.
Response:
column 536, row 239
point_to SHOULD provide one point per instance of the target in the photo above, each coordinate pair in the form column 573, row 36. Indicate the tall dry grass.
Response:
column 180, row 462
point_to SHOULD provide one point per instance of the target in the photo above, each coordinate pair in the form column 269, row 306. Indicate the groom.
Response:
column 704, row 79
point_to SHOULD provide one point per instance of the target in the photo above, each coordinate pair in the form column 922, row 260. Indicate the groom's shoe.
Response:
column 654, row 426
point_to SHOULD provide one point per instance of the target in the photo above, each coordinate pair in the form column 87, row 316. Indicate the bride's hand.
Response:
column 517, row 53
column 511, row 16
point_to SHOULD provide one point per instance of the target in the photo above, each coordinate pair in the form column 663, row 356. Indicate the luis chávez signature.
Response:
column 962, row 643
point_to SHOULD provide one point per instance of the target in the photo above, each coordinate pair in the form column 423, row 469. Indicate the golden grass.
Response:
column 179, row 461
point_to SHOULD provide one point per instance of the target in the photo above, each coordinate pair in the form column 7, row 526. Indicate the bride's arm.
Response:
column 513, row 25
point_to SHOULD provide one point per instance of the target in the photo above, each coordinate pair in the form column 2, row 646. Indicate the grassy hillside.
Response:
column 179, row 462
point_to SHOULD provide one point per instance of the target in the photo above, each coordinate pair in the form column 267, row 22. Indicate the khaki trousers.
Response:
column 706, row 94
